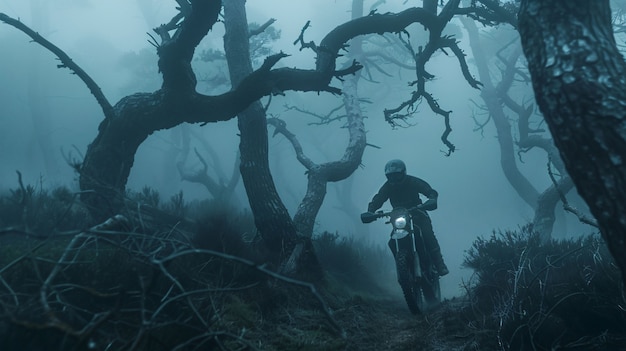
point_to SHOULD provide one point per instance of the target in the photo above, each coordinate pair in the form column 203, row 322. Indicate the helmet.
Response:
column 395, row 166
column 395, row 170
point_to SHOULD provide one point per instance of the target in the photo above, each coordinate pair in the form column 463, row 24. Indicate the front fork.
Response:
column 417, row 268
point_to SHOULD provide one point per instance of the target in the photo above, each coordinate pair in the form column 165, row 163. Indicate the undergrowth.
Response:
column 179, row 275
column 172, row 275
column 559, row 295
column 37, row 210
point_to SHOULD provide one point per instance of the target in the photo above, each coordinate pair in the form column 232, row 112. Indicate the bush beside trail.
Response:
column 559, row 295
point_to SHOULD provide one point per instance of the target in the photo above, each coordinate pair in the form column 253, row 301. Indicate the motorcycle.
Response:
column 417, row 274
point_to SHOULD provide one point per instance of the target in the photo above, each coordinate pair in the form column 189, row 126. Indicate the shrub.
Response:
column 557, row 295
column 41, row 212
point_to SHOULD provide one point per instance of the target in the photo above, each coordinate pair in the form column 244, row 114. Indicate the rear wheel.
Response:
column 432, row 292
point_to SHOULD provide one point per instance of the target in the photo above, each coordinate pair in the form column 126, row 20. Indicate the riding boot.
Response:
column 437, row 258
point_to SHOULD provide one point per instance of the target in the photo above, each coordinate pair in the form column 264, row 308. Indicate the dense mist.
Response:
column 49, row 117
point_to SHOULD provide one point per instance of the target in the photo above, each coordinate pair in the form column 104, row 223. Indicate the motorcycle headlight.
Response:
column 400, row 222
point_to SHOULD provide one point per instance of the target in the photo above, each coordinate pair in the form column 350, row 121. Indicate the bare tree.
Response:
column 499, row 103
column 270, row 214
column 221, row 189
column 319, row 175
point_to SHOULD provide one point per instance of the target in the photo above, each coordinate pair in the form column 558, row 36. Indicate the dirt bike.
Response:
column 417, row 274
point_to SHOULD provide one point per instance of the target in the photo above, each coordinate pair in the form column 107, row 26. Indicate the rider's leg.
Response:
column 431, row 243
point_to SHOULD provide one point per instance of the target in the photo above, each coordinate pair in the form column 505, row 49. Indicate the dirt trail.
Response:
column 388, row 325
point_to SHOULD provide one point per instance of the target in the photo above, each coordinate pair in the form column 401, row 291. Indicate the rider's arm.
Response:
column 429, row 205
column 432, row 195
column 378, row 200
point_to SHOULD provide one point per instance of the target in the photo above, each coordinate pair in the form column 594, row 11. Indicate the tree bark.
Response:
column 292, row 252
column 578, row 77
column 271, row 217
column 430, row 6
column 110, row 157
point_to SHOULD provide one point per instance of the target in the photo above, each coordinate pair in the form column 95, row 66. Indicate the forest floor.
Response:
column 387, row 325
column 378, row 321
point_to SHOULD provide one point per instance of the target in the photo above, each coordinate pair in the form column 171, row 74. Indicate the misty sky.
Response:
column 101, row 35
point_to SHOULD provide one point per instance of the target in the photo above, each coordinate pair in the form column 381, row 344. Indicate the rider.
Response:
column 404, row 190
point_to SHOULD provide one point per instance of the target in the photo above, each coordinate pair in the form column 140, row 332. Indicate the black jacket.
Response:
column 405, row 194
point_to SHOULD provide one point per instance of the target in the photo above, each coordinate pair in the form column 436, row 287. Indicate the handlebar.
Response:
column 369, row 217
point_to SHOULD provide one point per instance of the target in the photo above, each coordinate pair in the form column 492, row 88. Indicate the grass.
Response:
column 559, row 295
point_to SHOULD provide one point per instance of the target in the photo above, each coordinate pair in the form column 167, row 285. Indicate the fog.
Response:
column 48, row 117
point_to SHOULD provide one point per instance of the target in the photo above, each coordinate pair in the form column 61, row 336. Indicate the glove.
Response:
column 368, row 217
column 429, row 205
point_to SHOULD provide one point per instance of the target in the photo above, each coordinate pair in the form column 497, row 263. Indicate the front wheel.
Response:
column 408, row 283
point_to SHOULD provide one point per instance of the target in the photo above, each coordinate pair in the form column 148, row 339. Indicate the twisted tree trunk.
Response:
column 320, row 174
column 291, row 251
column 579, row 80
column 110, row 157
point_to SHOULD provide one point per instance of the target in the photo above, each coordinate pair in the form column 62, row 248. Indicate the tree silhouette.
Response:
column 499, row 103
